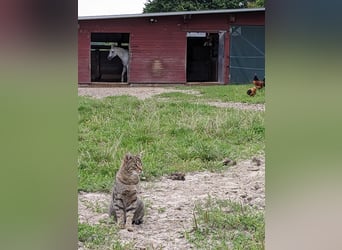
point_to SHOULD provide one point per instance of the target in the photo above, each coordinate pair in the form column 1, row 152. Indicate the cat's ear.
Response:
column 128, row 156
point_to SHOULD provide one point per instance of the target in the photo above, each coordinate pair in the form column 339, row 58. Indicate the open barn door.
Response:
column 247, row 53
column 102, row 69
column 202, row 57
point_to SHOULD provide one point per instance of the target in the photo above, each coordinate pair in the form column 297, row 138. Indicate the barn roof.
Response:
column 221, row 11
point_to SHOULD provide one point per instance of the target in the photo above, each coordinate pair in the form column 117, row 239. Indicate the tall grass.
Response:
column 100, row 236
column 175, row 136
column 222, row 224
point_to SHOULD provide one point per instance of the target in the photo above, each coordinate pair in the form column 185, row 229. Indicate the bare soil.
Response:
column 139, row 92
column 170, row 203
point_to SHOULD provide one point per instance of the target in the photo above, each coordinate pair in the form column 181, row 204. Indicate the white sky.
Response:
column 110, row 7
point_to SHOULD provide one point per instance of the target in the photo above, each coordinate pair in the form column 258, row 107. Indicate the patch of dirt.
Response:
column 139, row 92
column 147, row 92
column 238, row 105
column 170, row 203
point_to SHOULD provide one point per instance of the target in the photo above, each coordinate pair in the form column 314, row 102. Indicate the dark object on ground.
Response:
column 228, row 162
column 177, row 176
column 256, row 161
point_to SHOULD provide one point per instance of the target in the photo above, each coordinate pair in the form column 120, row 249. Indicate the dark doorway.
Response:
column 202, row 57
column 102, row 69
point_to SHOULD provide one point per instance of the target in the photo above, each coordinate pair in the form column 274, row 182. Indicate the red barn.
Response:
column 208, row 47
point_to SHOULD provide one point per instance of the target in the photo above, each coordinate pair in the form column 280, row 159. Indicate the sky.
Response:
column 110, row 7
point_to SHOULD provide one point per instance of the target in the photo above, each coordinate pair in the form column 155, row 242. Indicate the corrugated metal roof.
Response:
column 222, row 11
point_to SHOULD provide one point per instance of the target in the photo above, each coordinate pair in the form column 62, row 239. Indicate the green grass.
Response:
column 225, row 93
column 222, row 224
column 100, row 236
column 174, row 135
column 178, row 134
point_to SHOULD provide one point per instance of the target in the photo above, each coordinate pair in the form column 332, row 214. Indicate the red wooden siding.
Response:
column 83, row 57
column 158, row 50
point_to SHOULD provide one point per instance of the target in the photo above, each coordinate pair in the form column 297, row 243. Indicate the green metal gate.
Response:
column 247, row 53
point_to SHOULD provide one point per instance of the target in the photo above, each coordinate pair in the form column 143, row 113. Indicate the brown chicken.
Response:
column 258, row 83
column 252, row 91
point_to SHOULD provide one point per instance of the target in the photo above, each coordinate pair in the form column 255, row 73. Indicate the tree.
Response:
column 256, row 4
column 190, row 5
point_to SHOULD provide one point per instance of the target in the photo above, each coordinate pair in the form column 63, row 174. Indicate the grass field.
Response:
column 222, row 224
column 175, row 134
column 100, row 236
column 230, row 93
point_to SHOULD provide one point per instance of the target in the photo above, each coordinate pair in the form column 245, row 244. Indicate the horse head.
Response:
column 112, row 53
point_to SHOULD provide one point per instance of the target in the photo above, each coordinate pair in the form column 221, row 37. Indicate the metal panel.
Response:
column 247, row 53
column 177, row 13
column 221, row 56
column 196, row 34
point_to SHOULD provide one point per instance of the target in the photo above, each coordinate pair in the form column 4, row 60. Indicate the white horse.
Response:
column 123, row 54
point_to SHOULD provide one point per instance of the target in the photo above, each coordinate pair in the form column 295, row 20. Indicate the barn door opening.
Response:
column 202, row 57
column 102, row 69
column 247, row 53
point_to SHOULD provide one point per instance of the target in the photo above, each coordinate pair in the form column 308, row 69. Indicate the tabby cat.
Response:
column 125, row 208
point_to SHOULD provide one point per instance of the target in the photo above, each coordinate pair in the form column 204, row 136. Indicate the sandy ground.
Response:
column 139, row 92
column 170, row 203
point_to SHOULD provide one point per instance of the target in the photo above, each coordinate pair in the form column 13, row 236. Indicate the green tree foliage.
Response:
column 190, row 5
column 256, row 4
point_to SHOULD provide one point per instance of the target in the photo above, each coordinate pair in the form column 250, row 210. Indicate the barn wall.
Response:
column 83, row 56
column 158, row 50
